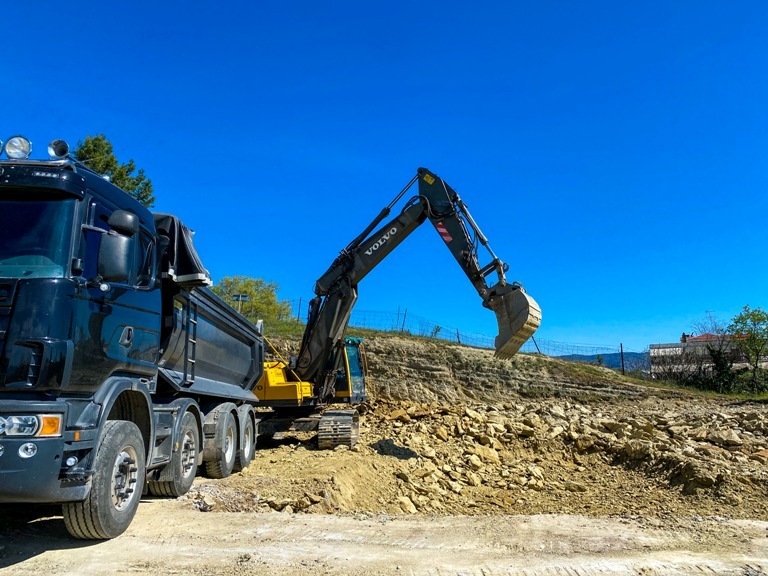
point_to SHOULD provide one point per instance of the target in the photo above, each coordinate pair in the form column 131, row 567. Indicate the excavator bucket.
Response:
column 518, row 316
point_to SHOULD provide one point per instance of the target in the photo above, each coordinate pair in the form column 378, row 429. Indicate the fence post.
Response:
column 621, row 348
column 405, row 315
column 458, row 337
column 298, row 312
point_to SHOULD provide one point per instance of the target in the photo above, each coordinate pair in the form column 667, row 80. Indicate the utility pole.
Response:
column 240, row 298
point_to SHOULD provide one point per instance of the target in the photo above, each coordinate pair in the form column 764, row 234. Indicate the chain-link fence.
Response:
column 406, row 322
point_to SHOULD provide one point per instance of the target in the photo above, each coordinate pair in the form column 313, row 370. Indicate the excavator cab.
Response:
column 350, row 382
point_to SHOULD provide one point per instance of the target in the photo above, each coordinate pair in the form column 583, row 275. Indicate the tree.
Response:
column 261, row 302
column 720, row 375
column 749, row 331
column 96, row 152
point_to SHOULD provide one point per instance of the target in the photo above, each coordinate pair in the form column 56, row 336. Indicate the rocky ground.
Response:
column 450, row 430
column 466, row 465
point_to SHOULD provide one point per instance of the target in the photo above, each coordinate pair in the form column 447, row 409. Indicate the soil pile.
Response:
column 451, row 430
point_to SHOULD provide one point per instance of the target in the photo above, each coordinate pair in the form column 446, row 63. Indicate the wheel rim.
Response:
column 125, row 475
column 229, row 444
column 247, row 441
column 188, row 454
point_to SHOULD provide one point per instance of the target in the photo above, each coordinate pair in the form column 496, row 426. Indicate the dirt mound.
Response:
column 450, row 430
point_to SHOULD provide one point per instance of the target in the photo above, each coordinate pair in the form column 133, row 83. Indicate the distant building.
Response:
column 691, row 355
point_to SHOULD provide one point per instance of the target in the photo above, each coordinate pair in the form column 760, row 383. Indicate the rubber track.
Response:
column 338, row 428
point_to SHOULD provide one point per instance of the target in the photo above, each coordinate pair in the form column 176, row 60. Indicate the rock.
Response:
column 524, row 430
column 557, row 412
column 678, row 431
column 473, row 479
column 475, row 463
column 403, row 476
column 474, row 415
column 441, row 433
column 725, row 437
column 609, row 425
column 536, row 472
column 584, row 443
column 574, row 486
column 406, row 505
column 484, row 440
column 400, row 415
column 206, row 504
column 761, row 456
column 556, row 431
column 488, row 454
column 694, row 476
column 637, row 449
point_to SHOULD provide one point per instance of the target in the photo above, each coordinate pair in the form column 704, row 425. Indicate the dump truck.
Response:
column 122, row 372
column 119, row 367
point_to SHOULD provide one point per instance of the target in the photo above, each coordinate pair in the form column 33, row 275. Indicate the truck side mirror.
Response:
column 123, row 222
column 115, row 256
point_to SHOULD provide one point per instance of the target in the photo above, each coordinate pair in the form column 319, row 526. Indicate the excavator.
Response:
column 330, row 366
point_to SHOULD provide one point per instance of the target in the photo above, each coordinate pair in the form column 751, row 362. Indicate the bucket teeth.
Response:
column 518, row 316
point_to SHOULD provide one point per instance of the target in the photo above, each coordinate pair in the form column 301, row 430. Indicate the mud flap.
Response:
column 518, row 316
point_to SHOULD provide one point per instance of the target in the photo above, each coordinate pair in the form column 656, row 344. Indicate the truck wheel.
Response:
column 177, row 477
column 225, row 449
column 118, row 479
column 247, row 446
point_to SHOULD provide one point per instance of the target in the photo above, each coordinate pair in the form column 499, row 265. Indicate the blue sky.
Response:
column 614, row 153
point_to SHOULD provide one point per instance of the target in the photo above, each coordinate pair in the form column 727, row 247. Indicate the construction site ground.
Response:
column 466, row 465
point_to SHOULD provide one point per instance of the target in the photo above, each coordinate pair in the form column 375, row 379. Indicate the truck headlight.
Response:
column 17, row 148
column 40, row 425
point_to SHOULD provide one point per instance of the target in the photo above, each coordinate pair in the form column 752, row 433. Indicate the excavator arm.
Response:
column 517, row 314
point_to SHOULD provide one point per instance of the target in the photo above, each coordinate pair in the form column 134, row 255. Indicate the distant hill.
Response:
column 632, row 360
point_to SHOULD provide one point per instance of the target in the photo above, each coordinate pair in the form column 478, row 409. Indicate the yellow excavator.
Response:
column 330, row 367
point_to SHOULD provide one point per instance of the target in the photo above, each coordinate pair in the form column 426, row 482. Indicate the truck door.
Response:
column 121, row 328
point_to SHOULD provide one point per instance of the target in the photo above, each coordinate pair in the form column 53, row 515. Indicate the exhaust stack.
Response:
column 518, row 316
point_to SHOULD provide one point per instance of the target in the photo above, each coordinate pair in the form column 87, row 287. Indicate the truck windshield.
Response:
column 34, row 235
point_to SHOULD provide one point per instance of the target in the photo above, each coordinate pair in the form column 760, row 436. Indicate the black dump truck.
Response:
column 119, row 368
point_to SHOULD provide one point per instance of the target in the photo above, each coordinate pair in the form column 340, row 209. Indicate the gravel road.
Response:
column 168, row 537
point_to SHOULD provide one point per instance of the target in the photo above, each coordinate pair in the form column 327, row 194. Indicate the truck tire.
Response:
column 177, row 477
column 225, row 447
column 118, row 479
column 247, row 446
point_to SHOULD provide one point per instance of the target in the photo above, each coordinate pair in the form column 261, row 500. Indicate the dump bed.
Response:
column 207, row 347
column 211, row 349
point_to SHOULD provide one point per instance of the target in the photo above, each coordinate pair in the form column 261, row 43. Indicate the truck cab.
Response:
column 74, row 312
column 117, row 364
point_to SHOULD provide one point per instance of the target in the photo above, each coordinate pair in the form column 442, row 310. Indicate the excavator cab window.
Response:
column 351, row 384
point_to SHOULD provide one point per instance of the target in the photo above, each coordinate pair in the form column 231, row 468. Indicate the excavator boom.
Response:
column 517, row 314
